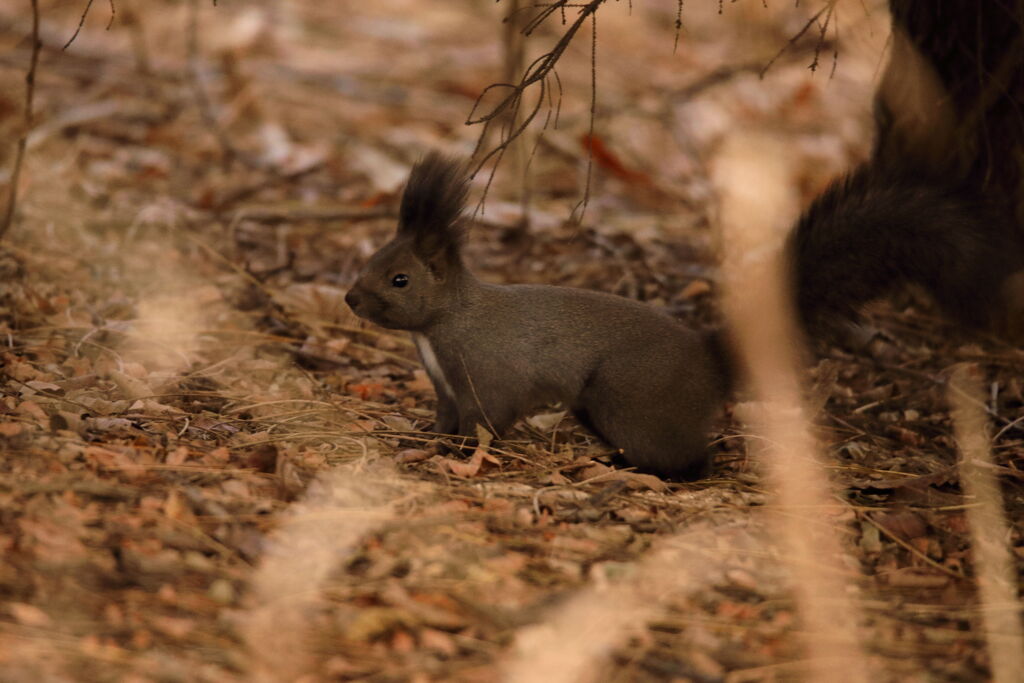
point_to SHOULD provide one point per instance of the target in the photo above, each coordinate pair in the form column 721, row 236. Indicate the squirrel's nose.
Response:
column 352, row 299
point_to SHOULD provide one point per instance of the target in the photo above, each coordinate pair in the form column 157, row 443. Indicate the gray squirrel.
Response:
column 634, row 376
column 640, row 380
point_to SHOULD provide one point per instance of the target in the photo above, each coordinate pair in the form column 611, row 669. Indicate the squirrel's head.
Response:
column 412, row 278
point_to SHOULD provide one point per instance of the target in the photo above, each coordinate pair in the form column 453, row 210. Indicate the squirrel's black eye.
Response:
column 400, row 280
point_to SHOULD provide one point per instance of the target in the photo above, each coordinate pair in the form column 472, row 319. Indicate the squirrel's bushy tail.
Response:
column 878, row 229
column 940, row 203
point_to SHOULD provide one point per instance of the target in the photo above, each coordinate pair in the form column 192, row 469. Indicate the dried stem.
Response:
column 228, row 149
column 994, row 567
column 81, row 21
column 19, row 156
column 580, row 208
column 828, row 11
column 573, row 642
column 751, row 177
column 536, row 74
column 300, row 556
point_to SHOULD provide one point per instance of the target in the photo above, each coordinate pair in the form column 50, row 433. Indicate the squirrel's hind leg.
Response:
column 662, row 437
column 446, row 420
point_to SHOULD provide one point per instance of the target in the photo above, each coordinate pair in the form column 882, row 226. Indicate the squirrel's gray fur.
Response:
column 636, row 377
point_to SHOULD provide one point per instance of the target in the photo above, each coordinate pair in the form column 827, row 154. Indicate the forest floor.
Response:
column 211, row 470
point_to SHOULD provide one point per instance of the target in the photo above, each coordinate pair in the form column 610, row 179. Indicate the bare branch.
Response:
column 827, row 10
column 81, row 21
column 678, row 24
column 507, row 109
column 536, row 74
column 30, row 88
column 822, row 30
column 581, row 207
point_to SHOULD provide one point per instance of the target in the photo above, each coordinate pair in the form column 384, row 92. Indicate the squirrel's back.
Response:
column 552, row 330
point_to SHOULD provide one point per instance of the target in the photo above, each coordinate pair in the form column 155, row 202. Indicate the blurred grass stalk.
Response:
column 994, row 568
column 757, row 206
column 314, row 536
column 574, row 642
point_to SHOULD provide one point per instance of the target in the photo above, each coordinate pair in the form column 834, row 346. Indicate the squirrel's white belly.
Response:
column 434, row 370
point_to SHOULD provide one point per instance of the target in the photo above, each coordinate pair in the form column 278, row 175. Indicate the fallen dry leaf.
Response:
column 469, row 469
column 411, row 455
column 9, row 429
column 29, row 615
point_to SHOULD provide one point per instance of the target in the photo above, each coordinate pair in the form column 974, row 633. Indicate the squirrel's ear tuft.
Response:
column 432, row 205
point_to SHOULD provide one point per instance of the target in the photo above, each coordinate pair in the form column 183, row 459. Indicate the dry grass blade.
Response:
column 508, row 111
column 989, row 533
column 339, row 509
column 750, row 175
column 574, row 643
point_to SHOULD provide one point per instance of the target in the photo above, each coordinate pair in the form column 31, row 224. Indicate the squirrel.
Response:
column 640, row 380
column 637, row 378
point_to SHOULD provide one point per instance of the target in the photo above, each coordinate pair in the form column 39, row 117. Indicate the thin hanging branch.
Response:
column 678, row 24
column 822, row 31
column 536, row 74
column 506, row 113
column 828, row 10
column 581, row 207
column 30, row 88
column 81, row 21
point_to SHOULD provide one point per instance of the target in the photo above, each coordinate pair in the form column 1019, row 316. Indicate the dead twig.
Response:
column 828, row 10
column 509, row 110
column 81, row 21
column 230, row 152
column 581, row 207
column 30, row 88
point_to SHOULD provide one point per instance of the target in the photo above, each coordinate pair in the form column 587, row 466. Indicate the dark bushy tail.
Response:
column 876, row 230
